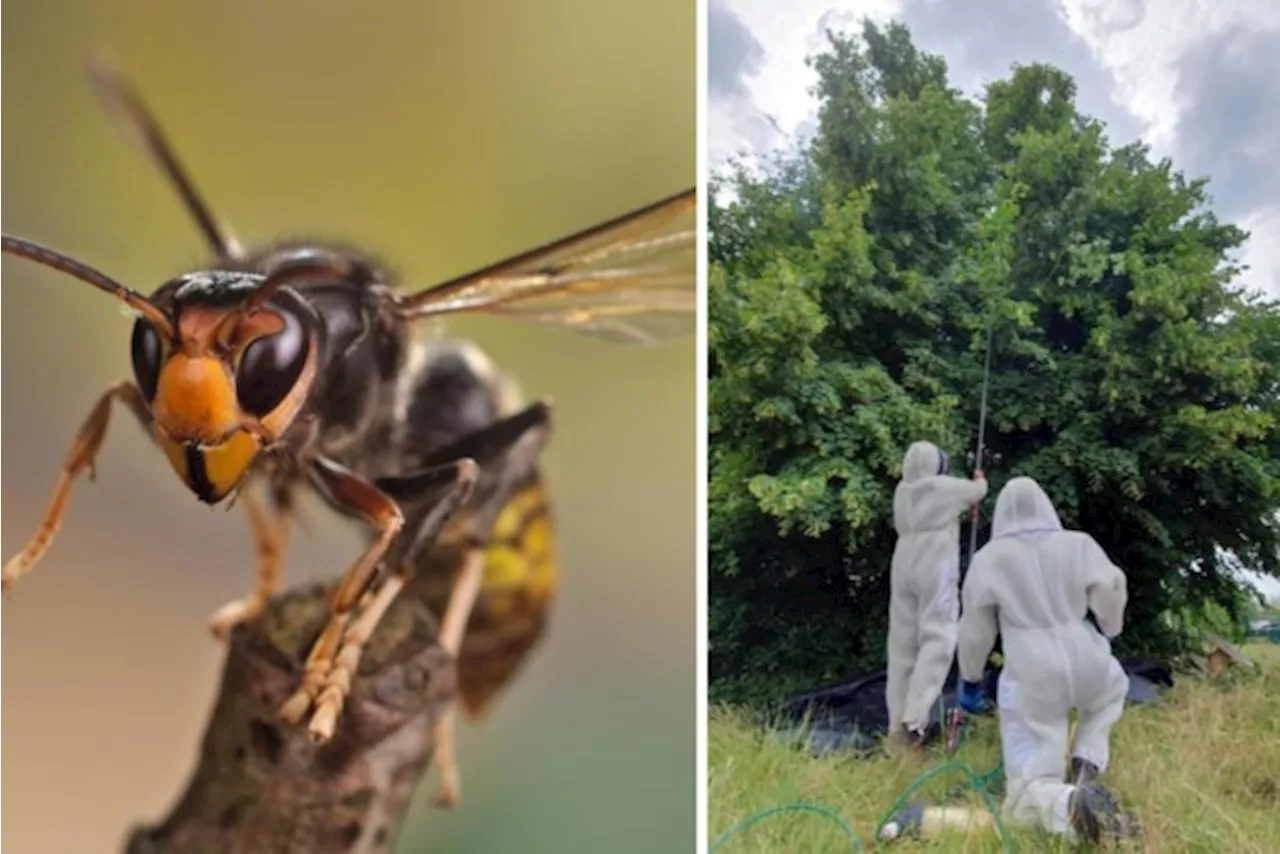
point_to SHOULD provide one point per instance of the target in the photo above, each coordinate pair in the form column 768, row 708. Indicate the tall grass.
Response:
column 1201, row 770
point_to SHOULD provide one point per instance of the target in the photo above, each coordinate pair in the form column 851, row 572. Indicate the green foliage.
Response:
column 1190, row 621
column 852, row 287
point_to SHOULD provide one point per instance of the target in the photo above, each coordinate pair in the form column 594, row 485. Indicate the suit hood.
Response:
column 1023, row 507
column 923, row 459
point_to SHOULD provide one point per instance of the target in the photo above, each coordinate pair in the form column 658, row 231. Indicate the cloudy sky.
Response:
column 1199, row 81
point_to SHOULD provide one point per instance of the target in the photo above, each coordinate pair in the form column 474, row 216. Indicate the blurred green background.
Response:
column 444, row 136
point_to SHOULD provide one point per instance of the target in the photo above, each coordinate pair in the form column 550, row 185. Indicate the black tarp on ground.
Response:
column 852, row 718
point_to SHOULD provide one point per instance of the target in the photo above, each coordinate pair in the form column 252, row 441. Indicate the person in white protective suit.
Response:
column 924, row 596
column 1033, row 584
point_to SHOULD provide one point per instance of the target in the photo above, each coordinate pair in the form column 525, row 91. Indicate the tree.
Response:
column 852, row 287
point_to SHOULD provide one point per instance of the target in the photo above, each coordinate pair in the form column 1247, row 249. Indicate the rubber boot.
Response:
column 1083, row 772
column 1094, row 813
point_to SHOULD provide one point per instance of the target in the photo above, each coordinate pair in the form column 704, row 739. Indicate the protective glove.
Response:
column 973, row 699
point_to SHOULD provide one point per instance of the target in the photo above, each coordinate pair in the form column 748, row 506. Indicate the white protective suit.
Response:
column 924, row 597
column 1034, row 583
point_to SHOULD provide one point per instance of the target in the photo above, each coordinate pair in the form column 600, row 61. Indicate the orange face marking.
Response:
column 196, row 400
column 209, row 440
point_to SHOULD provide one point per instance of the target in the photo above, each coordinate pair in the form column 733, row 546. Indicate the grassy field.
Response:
column 1201, row 770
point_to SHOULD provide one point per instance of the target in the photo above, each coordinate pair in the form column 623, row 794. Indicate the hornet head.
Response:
column 227, row 377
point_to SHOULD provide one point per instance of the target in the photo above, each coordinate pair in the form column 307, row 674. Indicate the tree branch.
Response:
column 262, row 786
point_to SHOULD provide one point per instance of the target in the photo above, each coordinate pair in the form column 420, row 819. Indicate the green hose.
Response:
column 981, row 783
column 855, row 843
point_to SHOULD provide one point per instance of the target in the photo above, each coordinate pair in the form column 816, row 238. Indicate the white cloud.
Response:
column 1142, row 50
column 1262, row 251
column 1145, row 54
column 779, row 85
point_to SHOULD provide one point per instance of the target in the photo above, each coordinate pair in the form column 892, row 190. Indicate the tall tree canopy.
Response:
column 852, row 287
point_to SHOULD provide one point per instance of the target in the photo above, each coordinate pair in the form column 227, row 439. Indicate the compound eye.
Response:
column 270, row 367
column 146, row 351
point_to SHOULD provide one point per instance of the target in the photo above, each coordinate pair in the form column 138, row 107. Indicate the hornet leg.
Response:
column 327, row 675
column 84, row 449
column 504, row 449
